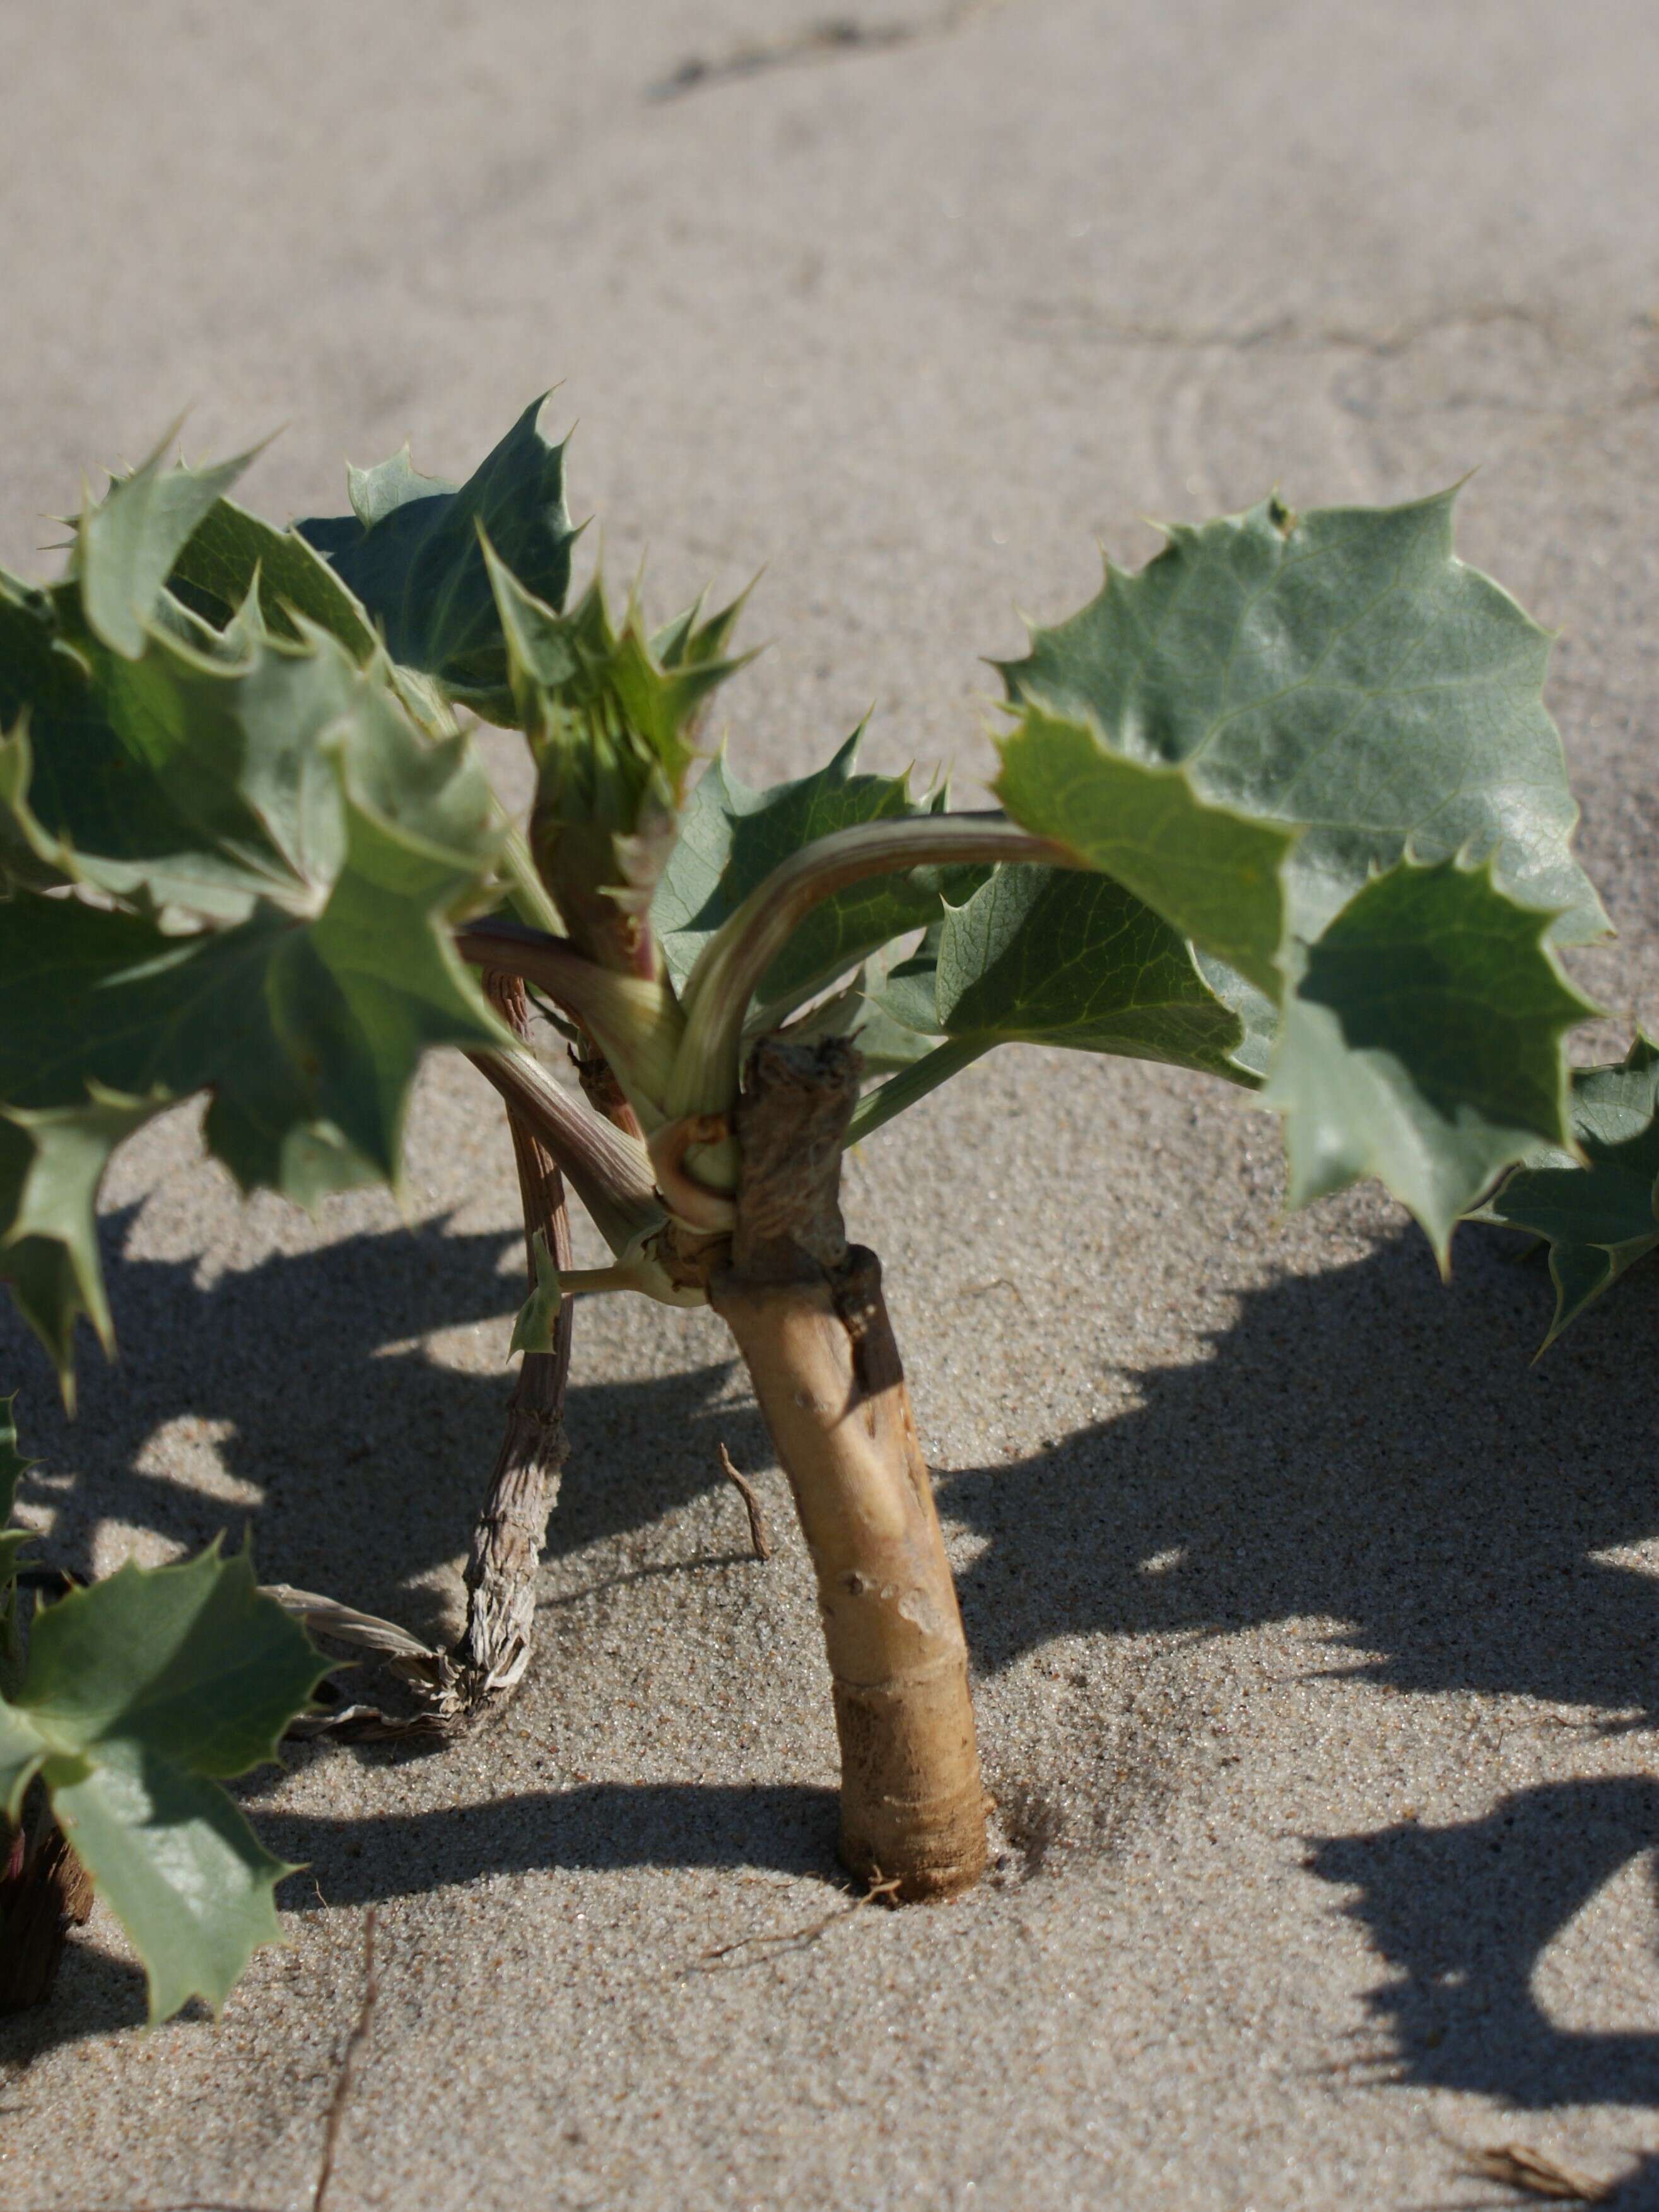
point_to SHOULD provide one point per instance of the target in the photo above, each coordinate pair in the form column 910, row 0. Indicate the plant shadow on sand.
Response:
column 356, row 1459
column 1464, row 1913
column 1361, row 1445
column 1366, row 1447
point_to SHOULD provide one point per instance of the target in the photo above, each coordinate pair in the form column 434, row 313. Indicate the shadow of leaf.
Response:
column 1464, row 1913
column 366, row 1456
column 1366, row 1447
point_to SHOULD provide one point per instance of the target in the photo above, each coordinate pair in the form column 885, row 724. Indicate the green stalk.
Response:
column 902, row 1090
column 610, row 1172
column 640, row 1273
column 636, row 1024
column 733, row 963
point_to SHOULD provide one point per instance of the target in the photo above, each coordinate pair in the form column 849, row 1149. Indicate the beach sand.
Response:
column 1313, row 1624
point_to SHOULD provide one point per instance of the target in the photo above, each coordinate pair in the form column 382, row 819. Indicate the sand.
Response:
column 1313, row 1626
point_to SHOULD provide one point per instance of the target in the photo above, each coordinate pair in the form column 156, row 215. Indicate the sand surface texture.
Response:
column 1313, row 1626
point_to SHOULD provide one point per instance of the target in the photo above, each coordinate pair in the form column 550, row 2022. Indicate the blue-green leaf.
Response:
column 1424, row 1043
column 140, row 1692
column 125, row 547
column 231, row 553
column 1210, row 873
column 409, row 553
column 283, row 799
column 1055, row 956
column 732, row 836
column 1599, row 1218
column 1340, row 674
column 1243, row 734
column 176, row 1863
column 52, row 1163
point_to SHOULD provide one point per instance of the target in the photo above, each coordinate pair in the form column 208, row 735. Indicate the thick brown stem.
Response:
column 809, row 1320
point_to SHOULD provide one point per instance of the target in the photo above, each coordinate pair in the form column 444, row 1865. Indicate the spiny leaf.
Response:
column 410, row 553
column 125, row 547
column 690, row 642
column 1341, row 683
column 1339, row 673
column 236, row 568
column 191, row 1661
column 52, row 1163
column 341, row 841
column 377, row 492
column 139, row 1691
column 269, row 785
column 1424, row 1043
column 195, row 774
column 612, row 726
column 82, row 797
column 1600, row 1219
column 1209, row 872
column 731, row 839
column 231, row 551
column 1053, row 957
column 177, row 1863
column 290, row 1021
column 182, row 777
column 582, row 679
column 1058, row 957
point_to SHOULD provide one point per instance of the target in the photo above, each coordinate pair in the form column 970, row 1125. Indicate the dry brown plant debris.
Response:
column 350, row 2058
column 1536, row 2173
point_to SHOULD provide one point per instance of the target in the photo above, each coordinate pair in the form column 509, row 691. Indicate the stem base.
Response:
column 826, row 1371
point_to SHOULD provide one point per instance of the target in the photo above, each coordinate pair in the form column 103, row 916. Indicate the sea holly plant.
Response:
column 1598, row 1213
column 123, row 1706
column 1284, row 808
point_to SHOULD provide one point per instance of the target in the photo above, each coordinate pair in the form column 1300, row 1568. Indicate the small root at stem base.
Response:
column 745, row 1490
column 723, row 1957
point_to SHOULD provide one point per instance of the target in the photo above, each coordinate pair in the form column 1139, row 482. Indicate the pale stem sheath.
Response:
column 636, row 1024
column 506, row 1541
column 733, row 962
column 610, row 1172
